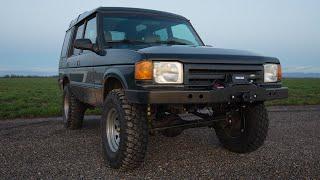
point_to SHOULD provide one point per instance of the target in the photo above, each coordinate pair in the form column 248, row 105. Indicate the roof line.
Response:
column 122, row 10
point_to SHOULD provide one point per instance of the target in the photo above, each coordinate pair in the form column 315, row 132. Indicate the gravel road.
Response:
column 42, row 148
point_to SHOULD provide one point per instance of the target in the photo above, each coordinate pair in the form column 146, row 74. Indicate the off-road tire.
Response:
column 254, row 135
column 74, row 118
column 133, row 132
column 171, row 132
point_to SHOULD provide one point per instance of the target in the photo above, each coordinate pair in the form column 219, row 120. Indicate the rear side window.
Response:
column 65, row 45
column 79, row 35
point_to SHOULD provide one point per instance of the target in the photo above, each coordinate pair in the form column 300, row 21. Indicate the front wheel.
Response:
column 245, row 130
column 124, row 131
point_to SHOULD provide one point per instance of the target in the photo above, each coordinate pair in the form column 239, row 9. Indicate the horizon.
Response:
column 7, row 74
column 288, row 30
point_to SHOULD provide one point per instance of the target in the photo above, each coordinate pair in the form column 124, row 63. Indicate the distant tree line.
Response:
column 28, row 76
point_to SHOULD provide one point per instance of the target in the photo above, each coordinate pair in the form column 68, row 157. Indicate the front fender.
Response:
column 115, row 73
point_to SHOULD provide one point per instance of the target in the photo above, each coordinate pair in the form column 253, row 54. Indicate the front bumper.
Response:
column 234, row 94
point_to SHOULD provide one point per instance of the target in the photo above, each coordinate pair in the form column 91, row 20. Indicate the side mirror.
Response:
column 84, row 44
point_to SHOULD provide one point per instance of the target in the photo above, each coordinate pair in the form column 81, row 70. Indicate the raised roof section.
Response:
column 123, row 10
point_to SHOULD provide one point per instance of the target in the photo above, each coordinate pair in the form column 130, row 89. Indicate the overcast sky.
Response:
column 32, row 31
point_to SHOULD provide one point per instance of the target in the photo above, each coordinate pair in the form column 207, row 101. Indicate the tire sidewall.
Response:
column 257, row 123
column 112, row 101
column 66, row 118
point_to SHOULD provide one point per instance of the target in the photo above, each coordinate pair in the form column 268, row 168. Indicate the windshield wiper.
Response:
column 127, row 41
column 172, row 42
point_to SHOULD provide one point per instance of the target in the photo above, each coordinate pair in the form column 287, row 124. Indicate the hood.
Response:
column 202, row 54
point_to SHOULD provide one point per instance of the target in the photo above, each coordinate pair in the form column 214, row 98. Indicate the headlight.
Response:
column 272, row 73
column 168, row 72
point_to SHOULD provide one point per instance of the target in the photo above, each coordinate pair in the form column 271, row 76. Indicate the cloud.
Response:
column 305, row 69
column 39, row 71
column 33, row 69
column 44, row 69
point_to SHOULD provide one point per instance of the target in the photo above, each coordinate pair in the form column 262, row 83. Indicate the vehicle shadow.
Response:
column 192, row 147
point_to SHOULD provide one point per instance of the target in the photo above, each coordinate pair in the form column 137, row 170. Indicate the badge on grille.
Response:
column 239, row 78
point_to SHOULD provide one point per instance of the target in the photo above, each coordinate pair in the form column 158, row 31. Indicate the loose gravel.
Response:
column 43, row 149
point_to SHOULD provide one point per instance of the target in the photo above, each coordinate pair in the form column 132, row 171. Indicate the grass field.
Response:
column 29, row 97
column 40, row 97
column 301, row 92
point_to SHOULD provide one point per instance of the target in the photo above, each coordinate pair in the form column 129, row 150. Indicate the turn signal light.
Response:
column 143, row 70
column 279, row 73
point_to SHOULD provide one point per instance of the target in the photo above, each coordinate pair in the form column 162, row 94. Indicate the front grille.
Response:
column 202, row 76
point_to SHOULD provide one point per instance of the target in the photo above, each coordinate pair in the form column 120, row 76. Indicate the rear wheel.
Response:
column 245, row 130
column 124, row 131
column 72, row 110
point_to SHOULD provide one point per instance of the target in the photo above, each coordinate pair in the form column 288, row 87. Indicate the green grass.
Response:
column 29, row 97
column 40, row 97
column 301, row 92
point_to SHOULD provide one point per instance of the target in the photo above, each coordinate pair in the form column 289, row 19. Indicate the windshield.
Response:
column 136, row 30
